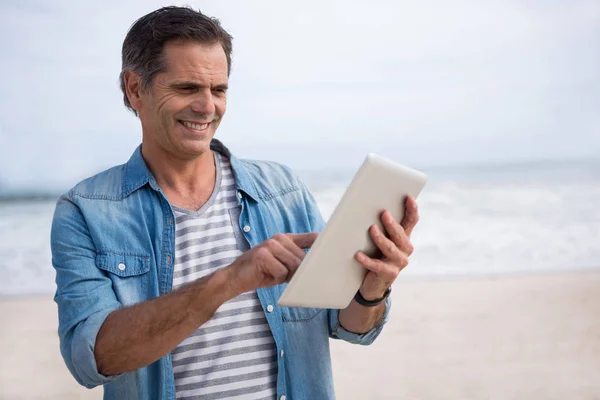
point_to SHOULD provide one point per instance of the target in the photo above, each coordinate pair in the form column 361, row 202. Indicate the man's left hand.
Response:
column 396, row 248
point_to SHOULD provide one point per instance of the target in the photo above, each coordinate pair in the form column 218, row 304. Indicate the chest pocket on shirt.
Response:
column 128, row 273
column 300, row 314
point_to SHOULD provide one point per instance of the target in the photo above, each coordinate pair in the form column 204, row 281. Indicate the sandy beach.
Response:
column 507, row 337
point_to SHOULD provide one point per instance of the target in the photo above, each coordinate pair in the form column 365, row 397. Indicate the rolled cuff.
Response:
column 338, row 332
column 83, row 361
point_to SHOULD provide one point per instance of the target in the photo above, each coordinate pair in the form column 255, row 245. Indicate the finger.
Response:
column 385, row 245
column 411, row 215
column 271, row 266
column 287, row 258
column 296, row 251
column 303, row 240
column 290, row 245
column 396, row 233
column 383, row 269
column 372, row 264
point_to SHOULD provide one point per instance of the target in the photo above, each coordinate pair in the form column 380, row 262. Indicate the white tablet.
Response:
column 329, row 276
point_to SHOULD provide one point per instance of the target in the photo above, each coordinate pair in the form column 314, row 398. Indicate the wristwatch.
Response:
column 371, row 303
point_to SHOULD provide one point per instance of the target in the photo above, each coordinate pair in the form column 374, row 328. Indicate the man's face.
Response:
column 182, row 108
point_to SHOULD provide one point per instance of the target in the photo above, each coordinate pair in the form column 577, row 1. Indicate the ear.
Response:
column 133, row 88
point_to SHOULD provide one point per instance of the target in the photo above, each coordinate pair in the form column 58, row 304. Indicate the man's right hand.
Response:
column 272, row 262
column 136, row 336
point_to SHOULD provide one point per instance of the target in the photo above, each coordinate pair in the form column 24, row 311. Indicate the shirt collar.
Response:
column 137, row 173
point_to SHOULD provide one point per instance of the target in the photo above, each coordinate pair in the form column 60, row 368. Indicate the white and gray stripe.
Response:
column 233, row 355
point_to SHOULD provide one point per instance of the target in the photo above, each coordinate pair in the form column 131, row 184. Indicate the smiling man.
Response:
column 169, row 267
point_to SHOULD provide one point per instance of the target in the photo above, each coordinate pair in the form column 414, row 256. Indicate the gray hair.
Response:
column 143, row 46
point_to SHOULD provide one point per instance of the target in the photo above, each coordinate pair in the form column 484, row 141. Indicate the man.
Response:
column 169, row 267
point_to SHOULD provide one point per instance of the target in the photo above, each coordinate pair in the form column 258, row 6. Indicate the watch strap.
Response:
column 371, row 303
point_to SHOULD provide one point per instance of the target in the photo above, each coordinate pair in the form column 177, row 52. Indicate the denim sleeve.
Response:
column 84, row 293
column 336, row 331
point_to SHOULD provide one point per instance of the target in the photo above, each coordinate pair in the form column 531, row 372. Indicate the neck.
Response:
column 187, row 182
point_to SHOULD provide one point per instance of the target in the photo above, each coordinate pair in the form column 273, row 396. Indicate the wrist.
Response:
column 211, row 291
column 360, row 299
column 373, row 294
column 226, row 283
column 204, row 296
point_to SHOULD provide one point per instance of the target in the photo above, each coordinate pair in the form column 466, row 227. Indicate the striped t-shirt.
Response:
column 233, row 355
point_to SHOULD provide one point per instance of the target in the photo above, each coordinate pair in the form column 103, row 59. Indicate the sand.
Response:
column 509, row 337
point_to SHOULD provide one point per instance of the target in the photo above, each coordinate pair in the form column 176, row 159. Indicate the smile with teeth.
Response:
column 191, row 125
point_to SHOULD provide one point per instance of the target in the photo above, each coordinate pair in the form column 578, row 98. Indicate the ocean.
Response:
column 518, row 218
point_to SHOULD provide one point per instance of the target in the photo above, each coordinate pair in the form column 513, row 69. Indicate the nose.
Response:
column 204, row 103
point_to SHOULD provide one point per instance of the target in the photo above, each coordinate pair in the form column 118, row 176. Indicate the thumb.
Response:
column 303, row 240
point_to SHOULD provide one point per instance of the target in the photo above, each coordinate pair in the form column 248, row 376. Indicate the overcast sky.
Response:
column 314, row 84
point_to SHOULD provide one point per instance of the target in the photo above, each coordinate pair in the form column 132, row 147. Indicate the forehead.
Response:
column 195, row 61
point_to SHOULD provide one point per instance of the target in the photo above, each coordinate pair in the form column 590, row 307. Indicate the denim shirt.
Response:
column 113, row 245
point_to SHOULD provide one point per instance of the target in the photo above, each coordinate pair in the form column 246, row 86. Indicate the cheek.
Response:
column 169, row 104
column 220, row 106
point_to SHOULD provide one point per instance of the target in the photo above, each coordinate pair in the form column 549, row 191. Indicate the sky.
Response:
column 315, row 84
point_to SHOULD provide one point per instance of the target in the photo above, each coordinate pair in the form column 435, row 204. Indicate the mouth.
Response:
column 195, row 126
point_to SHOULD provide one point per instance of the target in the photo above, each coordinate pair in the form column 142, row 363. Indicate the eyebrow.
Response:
column 196, row 85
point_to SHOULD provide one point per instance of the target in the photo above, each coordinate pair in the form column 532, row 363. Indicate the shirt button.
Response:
column 169, row 260
column 247, row 228
column 170, row 220
column 270, row 308
column 240, row 195
column 282, row 397
column 281, row 353
column 121, row 266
